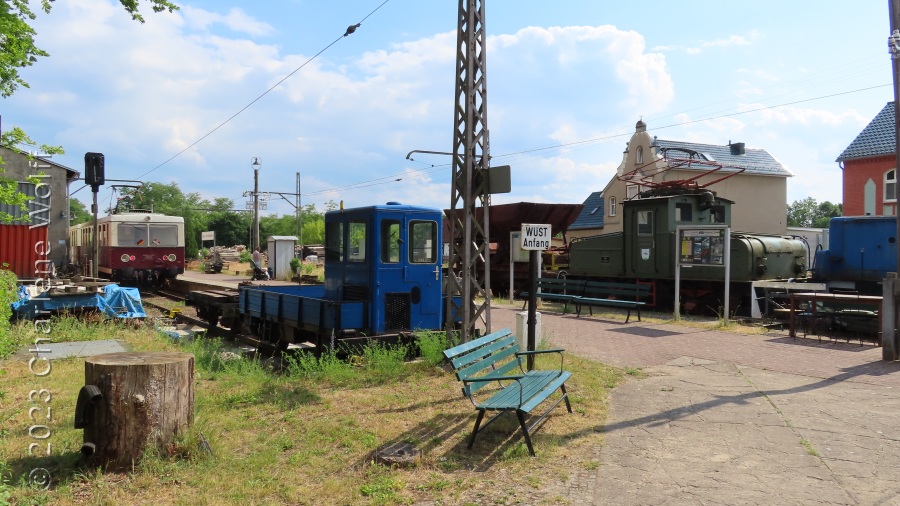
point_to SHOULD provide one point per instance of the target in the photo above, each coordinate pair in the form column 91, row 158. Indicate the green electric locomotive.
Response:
column 645, row 252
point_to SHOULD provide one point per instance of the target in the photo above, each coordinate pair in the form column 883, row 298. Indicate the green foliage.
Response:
column 431, row 347
column 810, row 214
column 7, row 297
column 295, row 265
column 245, row 256
column 376, row 364
column 17, row 49
column 78, row 212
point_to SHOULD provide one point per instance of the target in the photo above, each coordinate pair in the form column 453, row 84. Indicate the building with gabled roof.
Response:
column 752, row 178
column 46, row 218
column 870, row 169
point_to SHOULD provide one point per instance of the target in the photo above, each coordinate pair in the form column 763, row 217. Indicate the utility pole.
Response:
column 256, row 164
column 469, row 265
column 891, row 287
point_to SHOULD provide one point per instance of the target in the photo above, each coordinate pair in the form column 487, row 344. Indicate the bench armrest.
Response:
column 520, row 354
column 535, row 352
column 493, row 377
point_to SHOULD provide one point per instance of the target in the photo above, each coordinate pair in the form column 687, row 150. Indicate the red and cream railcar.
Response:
column 135, row 246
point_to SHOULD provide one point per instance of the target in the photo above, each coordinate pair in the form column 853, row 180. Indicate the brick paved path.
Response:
column 641, row 344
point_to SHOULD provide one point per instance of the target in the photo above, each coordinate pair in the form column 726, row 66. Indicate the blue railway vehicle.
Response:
column 861, row 251
column 383, row 276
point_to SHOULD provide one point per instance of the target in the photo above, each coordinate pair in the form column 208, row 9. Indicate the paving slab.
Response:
column 728, row 418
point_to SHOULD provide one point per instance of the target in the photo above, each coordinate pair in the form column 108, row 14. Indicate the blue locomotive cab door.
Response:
column 410, row 272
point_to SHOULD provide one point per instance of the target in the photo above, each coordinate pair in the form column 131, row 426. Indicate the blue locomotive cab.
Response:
column 387, row 257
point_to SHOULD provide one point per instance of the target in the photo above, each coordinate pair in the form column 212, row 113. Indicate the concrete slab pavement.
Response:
column 726, row 418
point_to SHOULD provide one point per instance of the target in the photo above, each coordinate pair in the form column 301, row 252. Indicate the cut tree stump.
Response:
column 142, row 400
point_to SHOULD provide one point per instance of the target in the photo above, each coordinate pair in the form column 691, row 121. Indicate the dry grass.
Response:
column 279, row 439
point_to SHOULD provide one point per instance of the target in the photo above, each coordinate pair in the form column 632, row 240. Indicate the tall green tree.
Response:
column 810, row 214
column 18, row 51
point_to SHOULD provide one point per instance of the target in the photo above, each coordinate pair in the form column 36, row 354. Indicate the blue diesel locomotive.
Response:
column 383, row 276
column 861, row 251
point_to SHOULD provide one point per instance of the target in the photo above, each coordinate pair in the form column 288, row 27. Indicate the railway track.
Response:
column 172, row 304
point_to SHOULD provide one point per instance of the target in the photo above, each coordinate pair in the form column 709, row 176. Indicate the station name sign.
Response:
column 535, row 236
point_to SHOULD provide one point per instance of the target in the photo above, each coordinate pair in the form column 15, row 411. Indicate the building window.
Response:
column 639, row 155
column 612, row 206
column 631, row 191
column 890, row 186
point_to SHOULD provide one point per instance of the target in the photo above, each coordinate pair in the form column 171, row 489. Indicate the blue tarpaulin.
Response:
column 115, row 301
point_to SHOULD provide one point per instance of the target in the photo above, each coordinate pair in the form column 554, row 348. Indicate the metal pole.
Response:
column 256, row 165
column 889, row 326
column 95, row 250
column 299, row 218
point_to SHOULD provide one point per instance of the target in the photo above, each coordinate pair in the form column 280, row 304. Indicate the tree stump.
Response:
column 147, row 400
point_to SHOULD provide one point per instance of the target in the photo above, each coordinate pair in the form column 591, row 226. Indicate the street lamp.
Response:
column 256, row 164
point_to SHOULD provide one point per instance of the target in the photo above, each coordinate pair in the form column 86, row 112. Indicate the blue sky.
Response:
column 799, row 79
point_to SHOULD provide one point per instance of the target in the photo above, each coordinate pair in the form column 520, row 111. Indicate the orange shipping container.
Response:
column 21, row 248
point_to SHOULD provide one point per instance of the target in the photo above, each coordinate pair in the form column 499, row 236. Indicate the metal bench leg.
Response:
column 566, row 397
column 475, row 431
column 628, row 316
column 525, row 431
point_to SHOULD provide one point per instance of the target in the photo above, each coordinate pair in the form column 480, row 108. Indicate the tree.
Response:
column 17, row 51
column 810, row 214
column 78, row 213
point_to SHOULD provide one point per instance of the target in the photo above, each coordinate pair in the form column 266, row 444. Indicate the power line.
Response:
column 350, row 30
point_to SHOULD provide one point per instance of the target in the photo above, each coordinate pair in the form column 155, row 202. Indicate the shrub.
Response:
column 295, row 264
column 431, row 346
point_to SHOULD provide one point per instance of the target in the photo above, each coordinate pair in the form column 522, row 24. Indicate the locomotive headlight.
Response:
column 124, row 258
column 171, row 257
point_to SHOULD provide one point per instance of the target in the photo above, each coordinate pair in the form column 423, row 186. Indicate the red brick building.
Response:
column 870, row 169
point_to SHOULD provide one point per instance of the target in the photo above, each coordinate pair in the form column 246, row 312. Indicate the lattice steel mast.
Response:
column 469, row 274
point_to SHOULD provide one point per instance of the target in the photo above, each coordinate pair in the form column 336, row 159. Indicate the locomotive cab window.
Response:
column 163, row 235
column 357, row 241
column 423, row 243
column 717, row 214
column 390, row 241
column 334, row 242
column 683, row 212
column 132, row 234
column 645, row 222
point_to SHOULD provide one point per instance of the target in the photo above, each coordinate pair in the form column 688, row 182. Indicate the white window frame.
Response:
column 639, row 155
column 631, row 191
column 890, row 181
column 612, row 206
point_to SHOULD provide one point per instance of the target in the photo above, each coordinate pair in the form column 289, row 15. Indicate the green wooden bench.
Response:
column 619, row 295
column 557, row 289
column 494, row 363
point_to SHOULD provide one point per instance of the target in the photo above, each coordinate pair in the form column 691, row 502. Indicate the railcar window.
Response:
column 163, row 235
column 645, row 222
column 717, row 214
column 357, row 242
column 132, row 234
column 683, row 212
column 390, row 241
column 334, row 242
column 423, row 243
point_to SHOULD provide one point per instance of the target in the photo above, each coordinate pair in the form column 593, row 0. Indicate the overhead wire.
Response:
column 350, row 30
column 529, row 153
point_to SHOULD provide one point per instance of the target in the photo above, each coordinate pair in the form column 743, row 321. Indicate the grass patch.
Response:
column 267, row 429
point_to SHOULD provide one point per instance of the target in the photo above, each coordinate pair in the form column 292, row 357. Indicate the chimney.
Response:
column 737, row 148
